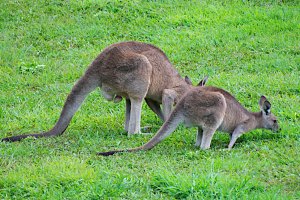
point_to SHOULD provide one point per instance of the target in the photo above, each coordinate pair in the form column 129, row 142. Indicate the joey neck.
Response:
column 258, row 120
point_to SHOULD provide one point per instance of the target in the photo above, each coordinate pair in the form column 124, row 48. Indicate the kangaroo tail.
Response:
column 87, row 83
column 167, row 128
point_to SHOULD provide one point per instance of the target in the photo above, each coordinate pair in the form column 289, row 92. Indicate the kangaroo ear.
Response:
column 188, row 80
column 203, row 81
column 265, row 105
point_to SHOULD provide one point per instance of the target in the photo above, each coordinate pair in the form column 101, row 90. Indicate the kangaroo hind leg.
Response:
column 155, row 107
column 199, row 137
column 135, row 116
column 136, row 86
column 207, row 137
column 127, row 114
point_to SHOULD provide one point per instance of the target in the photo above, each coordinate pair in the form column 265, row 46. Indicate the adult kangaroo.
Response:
column 211, row 109
column 132, row 70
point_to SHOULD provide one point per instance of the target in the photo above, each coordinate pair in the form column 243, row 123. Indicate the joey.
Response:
column 211, row 109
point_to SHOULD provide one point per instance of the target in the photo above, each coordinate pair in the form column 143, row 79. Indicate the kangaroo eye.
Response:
column 275, row 121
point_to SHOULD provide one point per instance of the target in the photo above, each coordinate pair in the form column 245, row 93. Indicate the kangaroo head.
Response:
column 269, row 120
column 201, row 83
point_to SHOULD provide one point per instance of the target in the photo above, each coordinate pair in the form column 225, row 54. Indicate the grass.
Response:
column 249, row 48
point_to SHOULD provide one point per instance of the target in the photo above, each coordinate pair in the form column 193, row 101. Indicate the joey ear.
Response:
column 265, row 105
column 262, row 100
column 203, row 81
column 188, row 80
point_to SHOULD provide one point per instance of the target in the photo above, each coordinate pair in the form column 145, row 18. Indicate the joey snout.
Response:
column 275, row 128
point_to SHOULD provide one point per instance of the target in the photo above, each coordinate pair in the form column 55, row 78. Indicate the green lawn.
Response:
column 248, row 48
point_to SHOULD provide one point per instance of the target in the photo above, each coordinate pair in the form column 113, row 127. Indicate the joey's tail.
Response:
column 80, row 90
column 167, row 128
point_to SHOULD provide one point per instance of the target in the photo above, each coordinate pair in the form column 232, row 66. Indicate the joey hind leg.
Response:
column 199, row 137
column 155, row 107
column 206, row 138
column 135, row 116
column 238, row 131
column 168, row 99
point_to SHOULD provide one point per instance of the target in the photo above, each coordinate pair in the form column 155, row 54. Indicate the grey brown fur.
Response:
column 211, row 109
column 132, row 70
